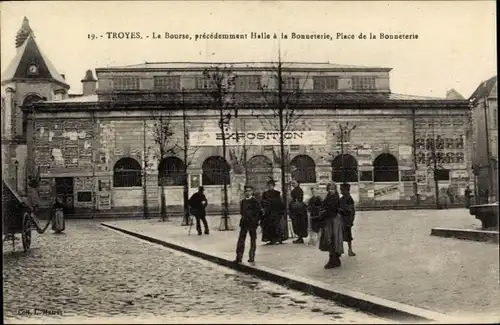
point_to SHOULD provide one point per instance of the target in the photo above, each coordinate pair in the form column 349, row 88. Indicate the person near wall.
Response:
column 314, row 207
column 58, row 222
column 331, row 236
column 467, row 194
column 198, row 204
column 273, row 213
column 251, row 215
column 347, row 213
column 298, row 213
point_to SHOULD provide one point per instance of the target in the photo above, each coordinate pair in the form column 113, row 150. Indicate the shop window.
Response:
column 363, row 82
column 385, row 168
column 84, row 197
column 304, row 169
column 127, row 173
column 167, row 83
column 126, row 83
column 442, row 174
column 216, row 171
column 345, row 169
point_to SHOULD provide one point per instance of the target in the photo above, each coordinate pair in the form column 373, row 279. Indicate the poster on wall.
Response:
column 387, row 192
column 104, row 199
column 194, row 181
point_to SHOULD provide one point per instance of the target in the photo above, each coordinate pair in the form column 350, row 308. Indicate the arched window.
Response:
column 127, row 173
column 30, row 99
column 260, row 171
column 303, row 169
column 171, row 172
column 215, row 171
column 345, row 169
column 385, row 168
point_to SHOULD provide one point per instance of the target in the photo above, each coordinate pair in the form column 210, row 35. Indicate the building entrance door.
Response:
column 64, row 191
column 260, row 171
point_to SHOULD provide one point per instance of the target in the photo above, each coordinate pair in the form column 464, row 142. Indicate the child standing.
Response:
column 251, row 214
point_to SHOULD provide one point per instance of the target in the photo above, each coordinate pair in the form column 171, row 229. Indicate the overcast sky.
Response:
column 456, row 46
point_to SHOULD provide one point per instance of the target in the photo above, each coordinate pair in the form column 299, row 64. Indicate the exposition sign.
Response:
column 257, row 138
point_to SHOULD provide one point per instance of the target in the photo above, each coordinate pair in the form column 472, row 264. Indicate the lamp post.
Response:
column 344, row 131
column 185, row 220
column 16, row 167
column 224, row 121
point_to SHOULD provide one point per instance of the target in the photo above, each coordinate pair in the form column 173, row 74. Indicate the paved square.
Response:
column 397, row 259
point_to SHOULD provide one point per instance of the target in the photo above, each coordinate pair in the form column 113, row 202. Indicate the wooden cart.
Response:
column 16, row 217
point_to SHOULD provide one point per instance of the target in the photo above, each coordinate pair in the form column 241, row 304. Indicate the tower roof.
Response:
column 487, row 89
column 29, row 54
column 23, row 32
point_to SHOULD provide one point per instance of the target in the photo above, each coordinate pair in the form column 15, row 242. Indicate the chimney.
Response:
column 89, row 83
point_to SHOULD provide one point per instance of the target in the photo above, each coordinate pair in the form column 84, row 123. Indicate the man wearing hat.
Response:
column 347, row 212
column 251, row 214
column 198, row 204
column 273, row 213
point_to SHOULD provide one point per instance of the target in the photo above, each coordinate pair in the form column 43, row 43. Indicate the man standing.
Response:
column 347, row 212
column 298, row 213
column 198, row 203
column 273, row 212
column 467, row 194
column 314, row 207
column 251, row 214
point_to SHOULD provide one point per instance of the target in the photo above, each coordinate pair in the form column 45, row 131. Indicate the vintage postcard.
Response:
column 249, row 162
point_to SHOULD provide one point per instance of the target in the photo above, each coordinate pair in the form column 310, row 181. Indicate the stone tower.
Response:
column 29, row 77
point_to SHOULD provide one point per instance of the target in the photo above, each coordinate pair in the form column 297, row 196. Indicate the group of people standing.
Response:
column 331, row 219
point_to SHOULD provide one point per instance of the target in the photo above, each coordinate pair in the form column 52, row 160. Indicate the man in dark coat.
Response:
column 198, row 203
column 251, row 214
column 347, row 212
column 467, row 193
column 273, row 212
column 298, row 213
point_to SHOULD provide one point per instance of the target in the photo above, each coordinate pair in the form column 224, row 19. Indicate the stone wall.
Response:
column 68, row 147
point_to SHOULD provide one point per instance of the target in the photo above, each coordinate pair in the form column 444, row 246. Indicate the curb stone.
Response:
column 487, row 236
column 366, row 303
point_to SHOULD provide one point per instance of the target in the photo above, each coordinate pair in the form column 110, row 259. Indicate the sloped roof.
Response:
column 27, row 54
column 485, row 89
column 307, row 98
column 240, row 65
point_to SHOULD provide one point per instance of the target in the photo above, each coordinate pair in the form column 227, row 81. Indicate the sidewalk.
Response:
column 397, row 259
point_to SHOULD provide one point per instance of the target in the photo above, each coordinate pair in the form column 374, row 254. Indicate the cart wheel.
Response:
column 26, row 231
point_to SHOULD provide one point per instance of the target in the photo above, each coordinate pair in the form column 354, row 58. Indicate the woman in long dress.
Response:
column 331, row 239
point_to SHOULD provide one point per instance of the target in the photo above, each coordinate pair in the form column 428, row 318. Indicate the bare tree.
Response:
column 163, row 136
column 220, row 83
column 280, row 115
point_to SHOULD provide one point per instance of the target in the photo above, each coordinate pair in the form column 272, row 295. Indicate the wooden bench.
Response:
column 487, row 213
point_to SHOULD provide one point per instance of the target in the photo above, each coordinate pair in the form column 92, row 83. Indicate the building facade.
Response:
column 484, row 109
column 101, row 151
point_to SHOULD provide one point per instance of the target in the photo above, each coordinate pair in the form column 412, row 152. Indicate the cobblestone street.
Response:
column 397, row 259
column 91, row 274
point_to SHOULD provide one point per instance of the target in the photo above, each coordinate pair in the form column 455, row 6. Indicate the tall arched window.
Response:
column 385, row 168
column 215, row 170
column 345, row 169
column 171, row 172
column 30, row 99
column 127, row 172
column 303, row 169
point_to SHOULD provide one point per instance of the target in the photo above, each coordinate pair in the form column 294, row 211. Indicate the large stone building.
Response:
column 485, row 138
column 100, row 151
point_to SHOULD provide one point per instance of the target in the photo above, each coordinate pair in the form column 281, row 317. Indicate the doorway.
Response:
column 64, row 191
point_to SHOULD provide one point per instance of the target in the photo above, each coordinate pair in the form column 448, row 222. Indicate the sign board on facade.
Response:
column 256, row 138
column 404, row 150
column 364, row 152
column 390, row 192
